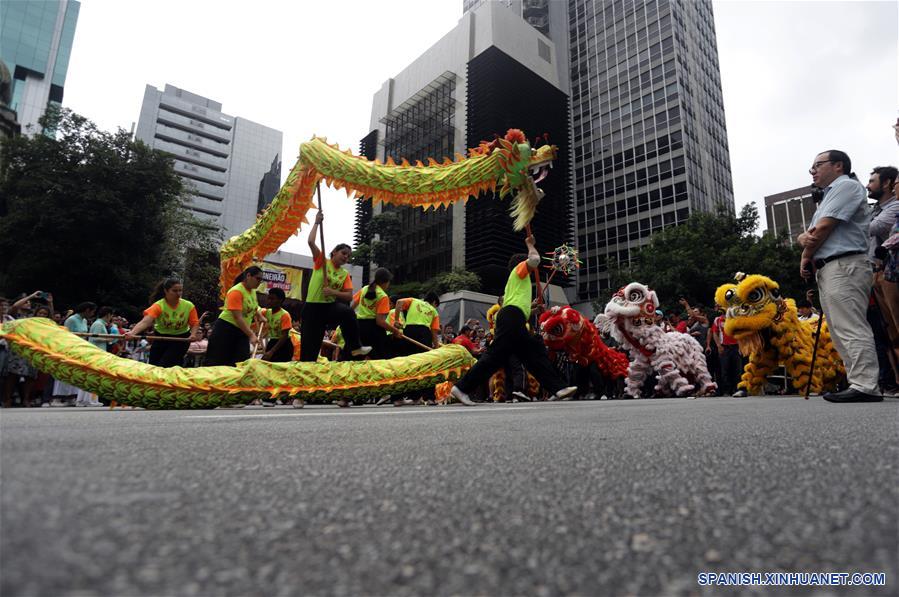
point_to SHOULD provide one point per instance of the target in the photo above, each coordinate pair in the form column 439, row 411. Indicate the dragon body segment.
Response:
column 68, row 358
column 506, row 162
column 768, row 330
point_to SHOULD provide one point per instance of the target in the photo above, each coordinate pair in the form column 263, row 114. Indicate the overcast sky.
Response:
column 798, row 77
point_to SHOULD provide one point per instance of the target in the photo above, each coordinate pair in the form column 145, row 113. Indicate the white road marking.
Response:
column 343, row 413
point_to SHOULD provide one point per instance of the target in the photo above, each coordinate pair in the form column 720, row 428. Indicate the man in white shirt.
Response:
column 835, row 249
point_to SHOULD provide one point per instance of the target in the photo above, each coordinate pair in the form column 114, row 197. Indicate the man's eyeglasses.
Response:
column 816, row 165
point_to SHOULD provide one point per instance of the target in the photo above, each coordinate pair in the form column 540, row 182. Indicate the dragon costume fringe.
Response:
column 506, row 163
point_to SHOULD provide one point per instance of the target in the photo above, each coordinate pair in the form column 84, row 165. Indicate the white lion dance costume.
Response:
column 676, row 358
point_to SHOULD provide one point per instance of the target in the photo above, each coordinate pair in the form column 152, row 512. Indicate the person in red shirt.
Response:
column 729, row 361
column 676, row 323
column 465, row 338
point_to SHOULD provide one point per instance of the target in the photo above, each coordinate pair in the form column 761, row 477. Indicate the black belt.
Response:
column 819, row 263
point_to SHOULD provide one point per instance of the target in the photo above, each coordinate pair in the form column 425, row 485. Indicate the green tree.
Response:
column 92, row 215
column 453, row 281
column 691, row 260
column 387, row 227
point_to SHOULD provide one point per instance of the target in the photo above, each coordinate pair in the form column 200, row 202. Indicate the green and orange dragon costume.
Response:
column 506, row 163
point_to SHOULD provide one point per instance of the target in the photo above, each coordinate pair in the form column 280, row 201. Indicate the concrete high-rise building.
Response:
column 492, row 72
column 650, row 142
column 233, row 165
column 35, row 43
column 790, row 211
column 648, row 131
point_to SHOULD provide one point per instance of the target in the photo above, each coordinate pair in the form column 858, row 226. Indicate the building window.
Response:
column 543, row 50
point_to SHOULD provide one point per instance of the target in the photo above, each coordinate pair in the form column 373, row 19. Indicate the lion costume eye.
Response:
column 729, row 295
column 635, row 296
column 756, row 295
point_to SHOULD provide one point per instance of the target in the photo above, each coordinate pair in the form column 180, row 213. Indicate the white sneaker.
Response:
column 461, row 396
column 361, row 351
column 521, row 396
column 95, row 404
column 268, row 403
column 563, row 393
column 383, row 400
column 298, row 403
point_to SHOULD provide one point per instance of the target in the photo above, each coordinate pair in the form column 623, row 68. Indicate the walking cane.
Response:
column 811, row 369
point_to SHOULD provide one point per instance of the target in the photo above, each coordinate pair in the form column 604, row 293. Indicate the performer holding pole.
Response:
column 330, row 290
column 422, row 332
column 512, row 337
column 372, row 308
column 422, row 320
column 231, row 337
column 173, row 317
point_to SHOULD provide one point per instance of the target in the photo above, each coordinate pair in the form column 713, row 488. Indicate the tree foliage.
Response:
column 453, row 281
column 92, row 215
column 693, row 259
column 387, row 227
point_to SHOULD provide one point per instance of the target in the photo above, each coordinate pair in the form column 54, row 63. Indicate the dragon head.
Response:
column 751, row 305
column 521, row 167
column 635, row 302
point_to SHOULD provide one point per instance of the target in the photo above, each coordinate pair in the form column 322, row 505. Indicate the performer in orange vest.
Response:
column 170, row 315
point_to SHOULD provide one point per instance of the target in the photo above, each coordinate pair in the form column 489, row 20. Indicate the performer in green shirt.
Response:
column 327, row 300
column 512, row 337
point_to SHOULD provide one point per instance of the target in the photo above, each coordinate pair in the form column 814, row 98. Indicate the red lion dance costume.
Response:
column 565, row 330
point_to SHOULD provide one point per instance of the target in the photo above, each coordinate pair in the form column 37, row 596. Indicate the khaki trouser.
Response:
column 845, row 289
column 886, row 294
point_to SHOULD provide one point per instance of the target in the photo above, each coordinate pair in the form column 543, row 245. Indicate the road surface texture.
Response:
column 586, row 498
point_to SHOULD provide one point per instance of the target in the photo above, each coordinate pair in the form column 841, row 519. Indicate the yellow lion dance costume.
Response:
column 769, row 332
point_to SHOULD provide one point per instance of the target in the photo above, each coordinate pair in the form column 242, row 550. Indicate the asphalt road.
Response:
column 597, row 498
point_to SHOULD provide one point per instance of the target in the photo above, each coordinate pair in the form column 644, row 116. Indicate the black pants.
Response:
column 284, row 354
column 422, row 333
column 371, row 334
column 316, row 317
column 228, row 345
column 512, row 338
column 885, row 376
column 731, row 369
column 169, row 353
